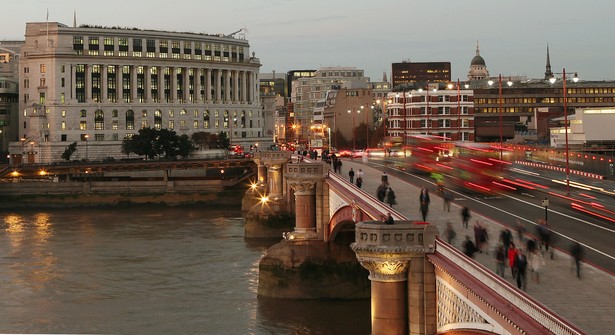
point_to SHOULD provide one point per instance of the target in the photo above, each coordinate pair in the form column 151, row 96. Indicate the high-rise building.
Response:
column 102, row 85
column 412, row 73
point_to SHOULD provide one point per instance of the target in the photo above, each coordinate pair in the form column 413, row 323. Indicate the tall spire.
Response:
column 75, row 19
column 384, row 76
column 477, row 49
column 548, row 73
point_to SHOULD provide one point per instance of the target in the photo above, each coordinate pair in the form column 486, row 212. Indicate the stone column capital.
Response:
column 302, row 185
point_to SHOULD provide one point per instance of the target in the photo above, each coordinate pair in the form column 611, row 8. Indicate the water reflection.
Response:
column 145, row 271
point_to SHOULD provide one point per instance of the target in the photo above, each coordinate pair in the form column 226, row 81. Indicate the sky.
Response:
column 370, row 35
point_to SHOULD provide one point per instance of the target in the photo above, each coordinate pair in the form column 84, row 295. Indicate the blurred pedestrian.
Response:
column 512, row 257
column 506, row 239
column 424, row 196
column 520, row 231
column 536, row 262
column 468, row 247
column 359, row 182
column 576, row 251
column 381, row 192
column 351, row 175
column 521, row 269
column 480, row 237
column 500, row 259
column 465, row 216
column 424, row 209
column 544, row 232
column 391, row 199
column 448, row 196
column 384, row 178
column 450, row 233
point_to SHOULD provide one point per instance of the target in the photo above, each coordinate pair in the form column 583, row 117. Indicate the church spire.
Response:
column 75, row 19
column 548, row 73
column 477, row 49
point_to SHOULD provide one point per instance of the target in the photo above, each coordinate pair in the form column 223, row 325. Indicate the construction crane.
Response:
column 243, row 36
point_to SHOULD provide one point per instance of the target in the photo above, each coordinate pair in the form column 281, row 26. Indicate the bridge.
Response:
column 419, row 283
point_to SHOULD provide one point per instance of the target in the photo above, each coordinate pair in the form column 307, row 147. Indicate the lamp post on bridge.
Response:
column 552, row 81
column 354, row 126
column 500, row 110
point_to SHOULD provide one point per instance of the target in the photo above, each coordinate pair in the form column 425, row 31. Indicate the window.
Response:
column 130, row 120
column 99, row 137
column 171, row 113
column 62, row 98
column 464, row 110
column 63, row 113
column 83, row 113
column 143, row 124
column 43, row 68
column 182, row 112
column 114, row 125
column 99, row 120
column 63, row 125
column 144, row 113
column 196, row 113
column 445, row 123
column 158, row 119
column 444, row 110
column 26, row 83
column 62, row 82
column 171, row 124
column 114, row 113
column 62, row 68
column 83, row 125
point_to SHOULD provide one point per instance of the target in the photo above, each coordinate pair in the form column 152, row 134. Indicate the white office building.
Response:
column 97, row 86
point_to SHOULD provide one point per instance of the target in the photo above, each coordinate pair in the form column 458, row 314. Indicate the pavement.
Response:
column 588, row 303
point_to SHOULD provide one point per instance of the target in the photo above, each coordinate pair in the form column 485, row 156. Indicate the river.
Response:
column 148, row 271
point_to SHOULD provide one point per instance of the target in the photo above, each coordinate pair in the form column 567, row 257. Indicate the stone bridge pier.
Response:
column 403, row 283
column 264, row 204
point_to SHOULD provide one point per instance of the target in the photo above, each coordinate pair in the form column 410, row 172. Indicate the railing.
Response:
column 365, row 201
column 532, row 308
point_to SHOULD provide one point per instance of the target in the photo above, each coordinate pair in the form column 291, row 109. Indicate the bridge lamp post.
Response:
column 552, row 81
column 354, row 127
column 500, row 110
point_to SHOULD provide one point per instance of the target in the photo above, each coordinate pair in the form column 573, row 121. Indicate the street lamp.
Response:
column 509, row 83
column 552, row 81
column 86, row 136
column 354, row 127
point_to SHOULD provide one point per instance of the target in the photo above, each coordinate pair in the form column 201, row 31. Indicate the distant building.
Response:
column 102, row 85
column 411, row 73
column 478, row 68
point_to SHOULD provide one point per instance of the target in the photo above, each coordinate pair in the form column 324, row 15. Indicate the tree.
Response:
column 70, row 150
column 150, row 142
column 223, row 142
column 200, row 139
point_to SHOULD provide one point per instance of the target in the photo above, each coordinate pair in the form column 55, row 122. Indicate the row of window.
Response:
column 544, row 100
column 442, row 110
column 441, row 123
column 158, row 48
column 116, row 136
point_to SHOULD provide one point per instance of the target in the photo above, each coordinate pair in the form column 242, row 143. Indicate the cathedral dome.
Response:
column 477, row 60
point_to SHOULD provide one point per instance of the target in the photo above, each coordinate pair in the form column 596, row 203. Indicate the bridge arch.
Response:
column 343, row 221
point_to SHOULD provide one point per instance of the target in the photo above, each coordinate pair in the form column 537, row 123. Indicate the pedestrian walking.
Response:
column 576, row 250
column 536, row 262
column 465, row 216
column 351, row 175
column 381, row 192
column 424, row 196
column 512, row 257
column 500, row 259
column 359, row 182
column 505, row 239
column 468, row 247
column 521, row 269
column 448, row 196
column 520, row 230
column 391, row 199
column 384, row 178
column 450, row 233
column 544, row 232
column 424, row 209
column 480, row 236
column 360, row 173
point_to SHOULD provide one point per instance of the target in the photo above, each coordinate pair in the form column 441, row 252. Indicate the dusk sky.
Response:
column 370, row 35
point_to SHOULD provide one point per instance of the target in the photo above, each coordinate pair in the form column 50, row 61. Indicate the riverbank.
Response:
column 227, row 198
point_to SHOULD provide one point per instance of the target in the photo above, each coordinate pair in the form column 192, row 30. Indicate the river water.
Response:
column 147, row 271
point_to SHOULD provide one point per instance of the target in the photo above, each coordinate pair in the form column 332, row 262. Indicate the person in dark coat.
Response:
column 391, row 198
column 576, row 250
column 468, row 247
column 465, row 216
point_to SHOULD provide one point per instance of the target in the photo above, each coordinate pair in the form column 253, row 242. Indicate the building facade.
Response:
column 443, row 110
column 80, row 84
column 9, row 94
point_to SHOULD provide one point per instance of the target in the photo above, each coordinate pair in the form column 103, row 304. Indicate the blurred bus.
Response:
column 477, row 167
